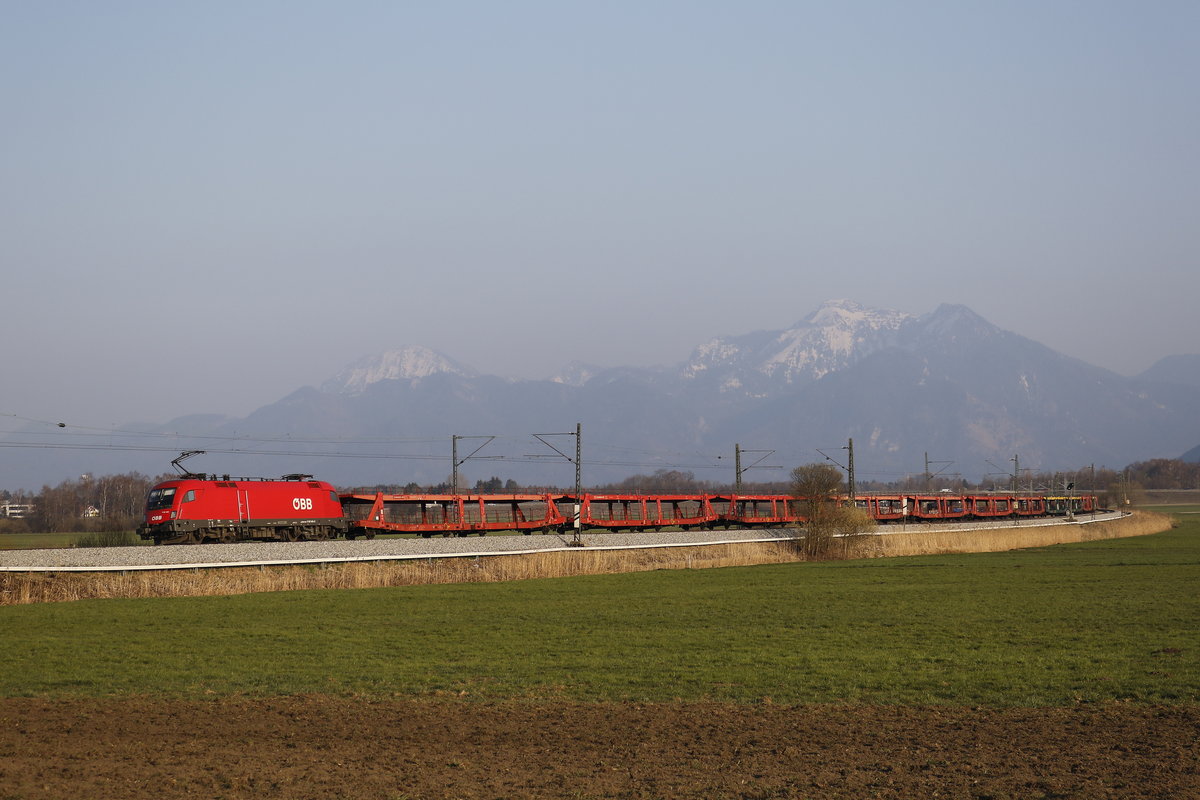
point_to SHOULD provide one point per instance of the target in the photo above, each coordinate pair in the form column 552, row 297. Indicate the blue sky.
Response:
column 208, row 205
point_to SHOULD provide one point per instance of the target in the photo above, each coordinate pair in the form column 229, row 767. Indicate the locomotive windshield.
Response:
column 160, row 498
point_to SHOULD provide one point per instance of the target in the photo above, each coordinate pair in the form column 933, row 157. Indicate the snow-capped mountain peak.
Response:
column 833, row 336
column 849, row 315
column 407, row 363
column 576, row 373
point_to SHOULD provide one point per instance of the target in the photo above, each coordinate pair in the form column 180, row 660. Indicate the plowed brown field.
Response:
column 323, row 747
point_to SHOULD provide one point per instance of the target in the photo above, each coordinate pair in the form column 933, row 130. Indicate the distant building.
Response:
column 16, row 510
column 89, row 512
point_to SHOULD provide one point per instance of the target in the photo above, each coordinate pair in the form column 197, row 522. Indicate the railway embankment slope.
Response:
column 909, row 542
column 205, row 570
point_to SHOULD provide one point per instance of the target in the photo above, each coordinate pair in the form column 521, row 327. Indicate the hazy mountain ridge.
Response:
column 947, row 382
column 833, row 337
column 1181, row 369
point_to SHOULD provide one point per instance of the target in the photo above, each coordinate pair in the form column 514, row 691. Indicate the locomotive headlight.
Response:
column 173, row 513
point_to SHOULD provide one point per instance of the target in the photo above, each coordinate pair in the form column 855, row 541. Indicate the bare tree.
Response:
column 829, row 522
column 663, row 481
column 119, row 501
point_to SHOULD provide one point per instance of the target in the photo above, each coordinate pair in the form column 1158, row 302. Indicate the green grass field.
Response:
column 39, row 541
column 1179, row 509
column 30, row 541
column 1093, row 622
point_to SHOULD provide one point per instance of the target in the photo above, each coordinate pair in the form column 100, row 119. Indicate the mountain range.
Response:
column 947, row 385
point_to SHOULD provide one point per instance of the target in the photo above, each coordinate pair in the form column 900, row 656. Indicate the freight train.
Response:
column 209, row 508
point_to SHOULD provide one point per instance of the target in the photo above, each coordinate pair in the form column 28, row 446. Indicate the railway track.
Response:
column 263, row 554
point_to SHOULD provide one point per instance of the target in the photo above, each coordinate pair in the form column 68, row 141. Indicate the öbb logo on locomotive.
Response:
column 207, row 508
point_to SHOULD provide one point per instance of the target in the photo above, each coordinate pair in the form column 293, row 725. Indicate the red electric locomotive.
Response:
column 200, row 508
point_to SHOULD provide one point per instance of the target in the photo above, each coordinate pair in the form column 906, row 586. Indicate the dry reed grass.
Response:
column 922, row 543
column 22, row 588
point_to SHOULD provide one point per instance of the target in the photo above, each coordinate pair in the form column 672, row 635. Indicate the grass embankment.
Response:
column 1091, row 622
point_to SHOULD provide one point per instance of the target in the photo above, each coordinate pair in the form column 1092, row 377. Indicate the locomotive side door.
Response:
column 243, row 504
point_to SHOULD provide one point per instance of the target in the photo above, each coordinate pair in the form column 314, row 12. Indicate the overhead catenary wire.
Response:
column 332, row 454
column 65, row 435
column 38, row 440
column 672, row 459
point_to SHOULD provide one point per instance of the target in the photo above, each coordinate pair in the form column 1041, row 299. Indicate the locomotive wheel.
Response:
column 227, row 537
column 290, row 535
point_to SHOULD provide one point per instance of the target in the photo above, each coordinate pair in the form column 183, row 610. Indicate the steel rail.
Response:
column 882, row 530
column 369, row 558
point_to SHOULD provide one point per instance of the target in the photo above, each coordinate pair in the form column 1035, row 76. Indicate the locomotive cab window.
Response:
column 161, row 498
column 190, row 496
